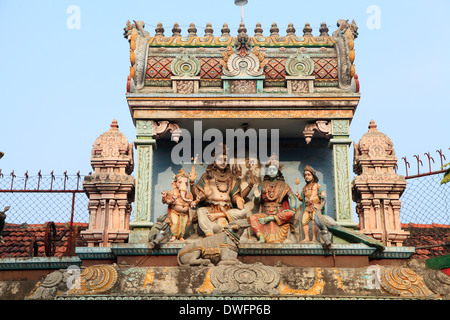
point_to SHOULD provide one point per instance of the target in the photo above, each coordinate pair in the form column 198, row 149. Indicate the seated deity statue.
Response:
column 274, row 221
column 219, row 190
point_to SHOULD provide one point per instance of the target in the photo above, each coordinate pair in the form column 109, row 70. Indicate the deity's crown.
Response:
column 273, row 160
column 181, row 174
column 308, row 168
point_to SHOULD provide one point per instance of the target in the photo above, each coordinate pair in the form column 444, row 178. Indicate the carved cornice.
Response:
column 322, row 127
column 156, row 129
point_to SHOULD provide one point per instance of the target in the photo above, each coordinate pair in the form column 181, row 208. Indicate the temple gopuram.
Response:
column 238, row 183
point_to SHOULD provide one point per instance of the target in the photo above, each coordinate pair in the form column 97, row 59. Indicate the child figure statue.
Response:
column 178, row 200
column 313, row 199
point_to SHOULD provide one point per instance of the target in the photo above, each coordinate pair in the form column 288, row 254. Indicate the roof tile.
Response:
column 18, row 239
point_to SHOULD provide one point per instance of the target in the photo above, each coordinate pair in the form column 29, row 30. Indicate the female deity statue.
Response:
column 278, row 202
column 313, row 199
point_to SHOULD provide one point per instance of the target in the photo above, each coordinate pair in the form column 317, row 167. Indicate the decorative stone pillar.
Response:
column 377, row 188
column 147, row 131
column 110, row 189
column 339, row 144
column 145, row 146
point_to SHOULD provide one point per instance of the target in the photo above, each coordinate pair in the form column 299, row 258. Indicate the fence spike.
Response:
column 418, row 161
column 12, row 179
column 51, row 180
column 78, row 179
column 26, row 179
column 39, row 179
column 406, row 165
column 430, row 158
column 65, row 178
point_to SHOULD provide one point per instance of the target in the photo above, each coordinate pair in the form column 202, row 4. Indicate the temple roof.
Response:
column 327, row 58
column 294, row 74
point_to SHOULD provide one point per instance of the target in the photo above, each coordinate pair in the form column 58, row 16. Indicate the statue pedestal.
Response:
column 253, row 280
column 294, row 255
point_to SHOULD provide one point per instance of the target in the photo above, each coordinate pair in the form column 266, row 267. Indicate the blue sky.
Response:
column 60, row 88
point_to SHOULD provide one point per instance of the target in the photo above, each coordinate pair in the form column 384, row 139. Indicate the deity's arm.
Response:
column 167, row 197
column 246, row 191
column 198, row 190
column 300, row 196
column 323, row 198
column 236, row 196
column 235, row 191
column 193, row 189
column 292, row 201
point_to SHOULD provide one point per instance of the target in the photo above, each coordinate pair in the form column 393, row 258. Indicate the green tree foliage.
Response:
column 446, row 175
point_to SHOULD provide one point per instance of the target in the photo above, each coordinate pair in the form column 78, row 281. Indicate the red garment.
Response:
column 275, row 196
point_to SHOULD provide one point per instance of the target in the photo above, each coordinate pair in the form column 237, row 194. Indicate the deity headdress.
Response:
column 180, row 174
column 312, row 171
column 221, row 148
column 273, row 160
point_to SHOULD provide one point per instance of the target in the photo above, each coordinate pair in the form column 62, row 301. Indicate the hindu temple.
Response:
column 238, row 182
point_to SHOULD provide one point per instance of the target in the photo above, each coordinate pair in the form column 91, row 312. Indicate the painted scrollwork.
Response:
column 438, row 282
column 403, row 282
column 95, row 280
column 256, row 278
column 185, row 65
column 54, row 284
column 251, row 64
column 299, row 65
column 344, row 37
column 139, row 39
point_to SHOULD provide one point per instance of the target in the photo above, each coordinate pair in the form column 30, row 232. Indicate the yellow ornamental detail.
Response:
column 95, row 279
column 352, row 56
column 207, row 286
column 148, row 280
column 353, row 72
column 132, row 58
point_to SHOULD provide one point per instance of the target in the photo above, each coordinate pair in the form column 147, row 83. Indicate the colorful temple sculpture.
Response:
column 110, row 189
column 243, row 185
column 301, row 85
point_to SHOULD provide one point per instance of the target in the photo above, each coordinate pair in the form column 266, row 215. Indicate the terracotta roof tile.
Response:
column 18, row 239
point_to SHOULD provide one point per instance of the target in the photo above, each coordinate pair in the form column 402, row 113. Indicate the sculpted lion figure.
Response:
column 218, row 249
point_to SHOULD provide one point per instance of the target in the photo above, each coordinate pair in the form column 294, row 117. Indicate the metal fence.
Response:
column 425, row 210
column 425, row 200
column 37, row 199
